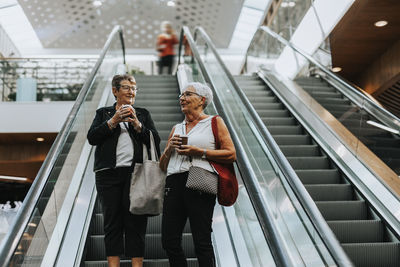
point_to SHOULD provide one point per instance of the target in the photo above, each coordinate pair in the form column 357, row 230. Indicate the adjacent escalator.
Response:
column 385, row 144
column 361, row 232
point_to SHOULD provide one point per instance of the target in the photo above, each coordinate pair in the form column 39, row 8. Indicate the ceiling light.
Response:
column 40, row 139
column 32, row 224
column 285, row 4
column 291, row 4
column 336, row 69
column 373, row 123
column 381, row 23
column 97, row 3
column 13, row 178
column 170, row 3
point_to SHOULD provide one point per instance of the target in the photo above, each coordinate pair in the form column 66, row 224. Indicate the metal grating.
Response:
column 80, row 24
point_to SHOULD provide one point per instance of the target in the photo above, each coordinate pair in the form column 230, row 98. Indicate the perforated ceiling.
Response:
column 80, row 24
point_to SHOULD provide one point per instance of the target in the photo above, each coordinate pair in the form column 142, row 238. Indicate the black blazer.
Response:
column 105, row 139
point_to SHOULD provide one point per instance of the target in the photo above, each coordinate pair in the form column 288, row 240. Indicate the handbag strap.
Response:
column 153, row 153
column 214, row 128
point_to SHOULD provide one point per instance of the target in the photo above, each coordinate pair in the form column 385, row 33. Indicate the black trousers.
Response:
column 166, row 61
column 113, row 191
column 181, row 203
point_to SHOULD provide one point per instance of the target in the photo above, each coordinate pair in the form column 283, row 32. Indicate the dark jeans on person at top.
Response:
column 113, row 191
column 166, row 61
column 181, row 203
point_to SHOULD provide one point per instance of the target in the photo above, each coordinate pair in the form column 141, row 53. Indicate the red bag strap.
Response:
column 214, row 127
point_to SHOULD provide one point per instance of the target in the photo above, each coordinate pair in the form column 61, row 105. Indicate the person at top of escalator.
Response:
column 119, row 132
column 180, row 202
column 165, row 46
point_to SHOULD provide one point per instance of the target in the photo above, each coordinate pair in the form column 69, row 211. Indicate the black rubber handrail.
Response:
column 265, row 215
column 389, row 118
column 13, row 237
column 293, row 180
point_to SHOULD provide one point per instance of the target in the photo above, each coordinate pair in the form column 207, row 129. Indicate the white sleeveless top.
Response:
column 201, row 136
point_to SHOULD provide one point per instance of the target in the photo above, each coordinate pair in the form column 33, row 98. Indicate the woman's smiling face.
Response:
column 126, row 92
column 190, row 100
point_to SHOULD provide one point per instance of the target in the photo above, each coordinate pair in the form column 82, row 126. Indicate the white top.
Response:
column 124, row 152
column 201, row 136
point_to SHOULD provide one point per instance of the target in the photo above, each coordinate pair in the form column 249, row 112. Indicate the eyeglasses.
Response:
column 188, row 94
column 127, row 88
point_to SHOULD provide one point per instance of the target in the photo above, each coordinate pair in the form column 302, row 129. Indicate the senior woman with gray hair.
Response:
column 181, row 203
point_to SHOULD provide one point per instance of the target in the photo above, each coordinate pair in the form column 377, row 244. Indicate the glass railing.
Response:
column 35, row 224
column 243, row 222
column 302, row 241
column 373, row 126
column 43, row 79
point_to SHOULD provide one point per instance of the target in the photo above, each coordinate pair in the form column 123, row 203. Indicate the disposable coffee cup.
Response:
column 184, row 139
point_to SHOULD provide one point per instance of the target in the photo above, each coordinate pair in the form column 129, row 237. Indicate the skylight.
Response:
column 18, row 28
column 250, row 18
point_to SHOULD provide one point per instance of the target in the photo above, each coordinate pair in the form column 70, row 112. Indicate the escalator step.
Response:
column 273, row 113
column 96, row 248
column 339, row 101
column 331, row 176
column 374, row 254
column 146, row 263
column 370, row 231
column 300, row 150
column 153, row 225
column 330, row 192
column 324, row 94
column 343, row 210
column 284, row 140
column 305, row 163
column 285, row 129
column 278, row 121
column 268, row 106
column 266, row 99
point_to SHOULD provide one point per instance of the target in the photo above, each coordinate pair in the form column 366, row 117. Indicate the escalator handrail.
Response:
column 308, row 204
column 262, row 210
column 388, row 117
column 11, row 240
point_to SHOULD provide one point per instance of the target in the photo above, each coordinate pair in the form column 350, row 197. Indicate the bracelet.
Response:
column 204, row 156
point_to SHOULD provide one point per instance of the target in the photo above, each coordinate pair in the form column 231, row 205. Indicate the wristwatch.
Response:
column 204, row 156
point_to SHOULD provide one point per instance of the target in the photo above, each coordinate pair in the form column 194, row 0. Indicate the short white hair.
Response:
column 201, row 89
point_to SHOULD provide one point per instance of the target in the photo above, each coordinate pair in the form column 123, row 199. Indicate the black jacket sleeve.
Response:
column 99, row 130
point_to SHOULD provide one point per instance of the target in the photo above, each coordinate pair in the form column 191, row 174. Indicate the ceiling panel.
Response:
column 356, row 42
column 79, row 24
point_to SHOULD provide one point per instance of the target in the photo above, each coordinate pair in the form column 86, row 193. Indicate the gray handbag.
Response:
column 202, row 180
column 147, row 184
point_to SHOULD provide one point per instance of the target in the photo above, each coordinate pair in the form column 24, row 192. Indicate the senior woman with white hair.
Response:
column 180, row 202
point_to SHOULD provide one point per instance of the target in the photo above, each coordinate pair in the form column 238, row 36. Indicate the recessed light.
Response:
column 32, row 224
column 170, row 3
column 336, row 69
column 381, row 23
column 40, row 139
column 291, row 4
column 97, row 3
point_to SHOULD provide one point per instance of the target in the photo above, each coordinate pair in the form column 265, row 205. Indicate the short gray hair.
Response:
column 201, row 89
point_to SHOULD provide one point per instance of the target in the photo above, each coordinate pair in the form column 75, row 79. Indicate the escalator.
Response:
column 361, row 232
column 383, row 143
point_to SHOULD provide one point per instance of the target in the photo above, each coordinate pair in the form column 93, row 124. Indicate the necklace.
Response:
column 198, row 117
column 190, row 127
